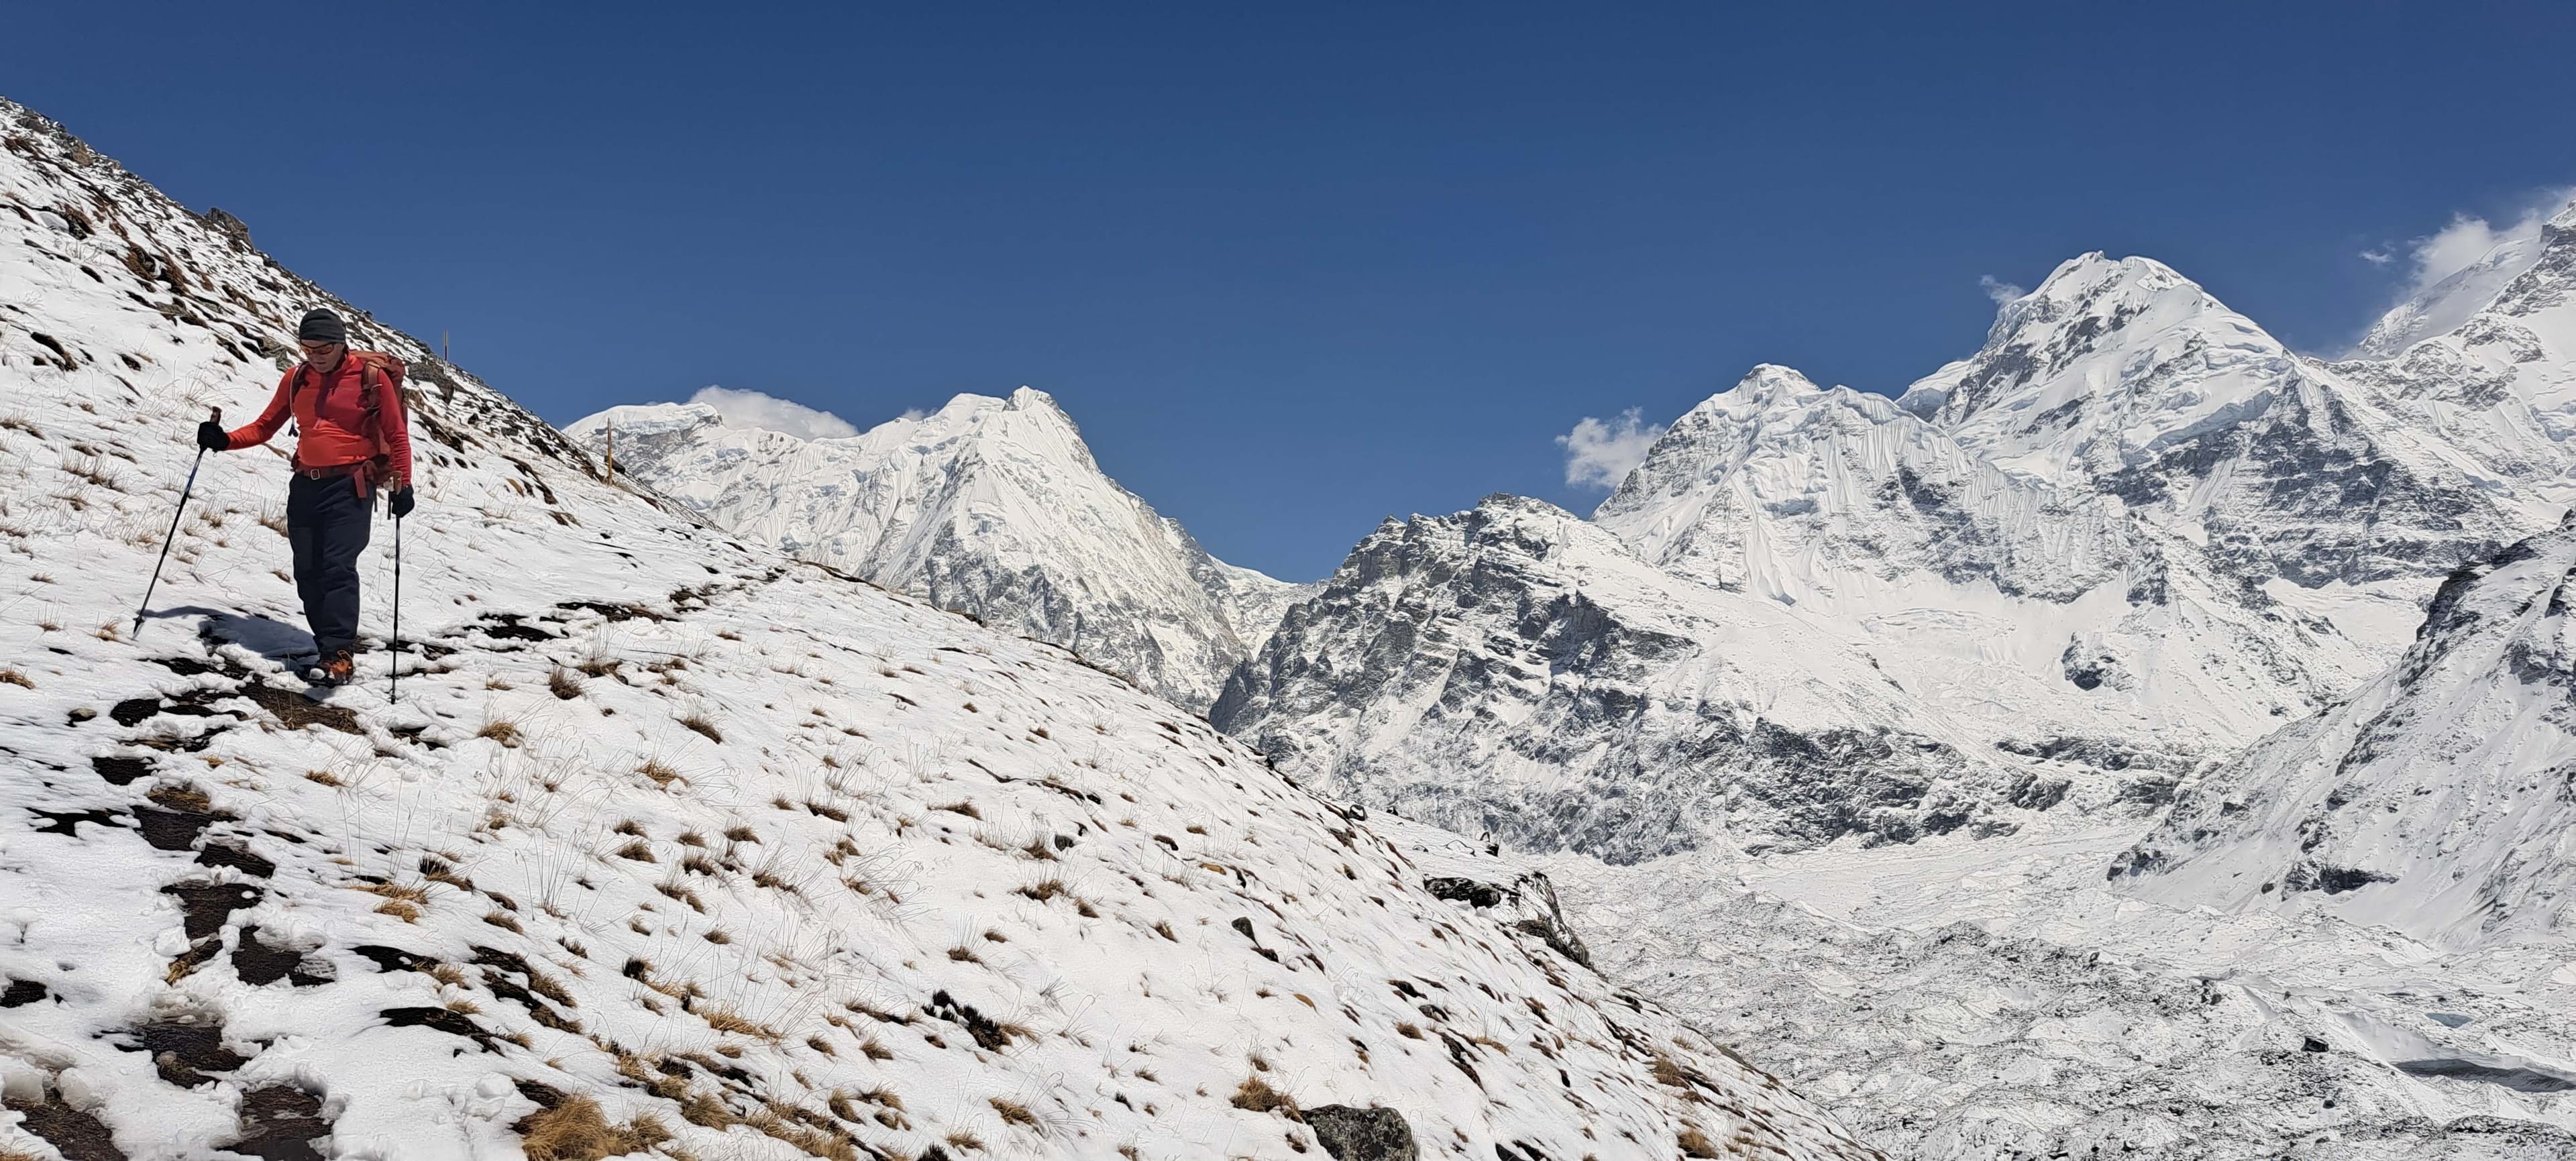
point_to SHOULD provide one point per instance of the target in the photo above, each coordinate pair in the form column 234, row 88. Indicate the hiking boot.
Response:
column 334, row 668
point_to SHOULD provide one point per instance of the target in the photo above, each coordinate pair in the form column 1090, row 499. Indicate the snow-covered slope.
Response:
column 671, row 841
column 1515, row 669
column 2440, row 801
column 993, row 507
column 2127, row 379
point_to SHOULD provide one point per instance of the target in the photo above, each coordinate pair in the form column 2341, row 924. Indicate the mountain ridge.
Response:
column 993, row 506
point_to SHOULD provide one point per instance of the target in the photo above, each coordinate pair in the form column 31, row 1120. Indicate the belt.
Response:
column 333, row 472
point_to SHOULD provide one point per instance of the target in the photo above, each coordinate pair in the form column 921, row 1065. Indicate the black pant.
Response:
column 327, row 522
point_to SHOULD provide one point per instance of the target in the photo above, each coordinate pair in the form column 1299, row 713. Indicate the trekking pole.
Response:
column 173, row 534
column 395, row 694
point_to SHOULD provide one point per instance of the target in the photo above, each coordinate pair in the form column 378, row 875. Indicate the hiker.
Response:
column 351, row 439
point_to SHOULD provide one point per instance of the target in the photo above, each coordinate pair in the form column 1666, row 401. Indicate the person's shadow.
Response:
column 274, row 640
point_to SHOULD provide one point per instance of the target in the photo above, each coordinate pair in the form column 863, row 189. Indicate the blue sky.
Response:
column 1296, row 268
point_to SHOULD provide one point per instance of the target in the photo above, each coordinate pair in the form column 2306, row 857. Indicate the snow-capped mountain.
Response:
column 2130, row 537
column 1515, row 669
column 2044, row 611
column 2440, row 801
column 2126, row 379
column 2501, row 385
column 671, row 843
column 2450, row 302
column 993, row 507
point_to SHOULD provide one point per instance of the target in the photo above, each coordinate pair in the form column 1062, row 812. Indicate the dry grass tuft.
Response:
column 324, row 777
column 962, row 1139
column 574, row 1130
column 661, row 774
column 563, row 684
column 1256, row 1095
column 399, row 910
column 724, row 1019
column 1039, row 850
column 700, row 723
column 964, row 955
column 13, row 677
column 1694, row 1143
column 1013, row 1112
column 1043, row 889
column 504, row 732
column 964, row 808
column 637, row 850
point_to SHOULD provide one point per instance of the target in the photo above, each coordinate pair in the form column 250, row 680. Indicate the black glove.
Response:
column 210, row 436
column 398, row 502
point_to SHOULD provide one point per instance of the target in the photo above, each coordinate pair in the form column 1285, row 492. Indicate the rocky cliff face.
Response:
column 1516, row 670
column 993, row 507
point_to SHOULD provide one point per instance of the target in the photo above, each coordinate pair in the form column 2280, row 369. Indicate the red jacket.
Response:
column 330, row 411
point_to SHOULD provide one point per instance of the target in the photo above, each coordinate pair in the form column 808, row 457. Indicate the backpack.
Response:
column 375, row 369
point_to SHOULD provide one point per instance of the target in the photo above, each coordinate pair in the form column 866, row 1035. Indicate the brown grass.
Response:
column 324, row 777
column 574, row 1130
column 964, row 808
column 637, row 850
column 1043, row 890
column 563, row 684
column 1015, row 1113
column 1256, row 1095
column 1694, row 1143
column 506, row 733
column 700, row 723
column 964, row 955
column 13, row 677
column 660, row 773
column 399, row 910
column 724, row 1019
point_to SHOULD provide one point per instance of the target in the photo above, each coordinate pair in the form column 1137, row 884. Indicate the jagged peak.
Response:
column 2096, row 284
column 2088, row 306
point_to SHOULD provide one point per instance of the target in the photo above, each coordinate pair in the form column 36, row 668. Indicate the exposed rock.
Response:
column 1371, row 1134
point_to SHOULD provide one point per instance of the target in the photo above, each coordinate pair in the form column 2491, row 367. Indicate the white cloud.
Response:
column 1599, row 455
column 2379, row 257
column 1999, row 290
column 753, row 409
